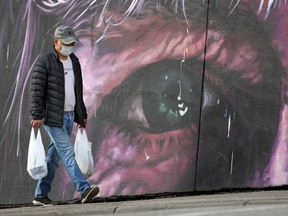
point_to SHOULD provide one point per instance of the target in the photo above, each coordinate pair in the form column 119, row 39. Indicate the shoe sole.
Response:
column 92, row 193
column 37, row 203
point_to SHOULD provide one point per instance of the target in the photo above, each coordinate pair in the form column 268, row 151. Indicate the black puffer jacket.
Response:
column 47, row 90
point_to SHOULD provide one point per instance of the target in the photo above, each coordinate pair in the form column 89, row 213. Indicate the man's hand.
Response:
column 82, row 126
column 36, row 123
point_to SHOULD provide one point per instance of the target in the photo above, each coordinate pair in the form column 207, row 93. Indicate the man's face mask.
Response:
column 67, row 50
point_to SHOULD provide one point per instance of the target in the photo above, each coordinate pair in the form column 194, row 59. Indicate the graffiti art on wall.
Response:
column 181, row 95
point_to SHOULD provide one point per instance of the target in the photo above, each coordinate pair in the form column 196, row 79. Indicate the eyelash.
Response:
column 165, row 138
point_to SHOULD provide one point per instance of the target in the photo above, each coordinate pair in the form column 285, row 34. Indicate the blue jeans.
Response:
column 62, row 149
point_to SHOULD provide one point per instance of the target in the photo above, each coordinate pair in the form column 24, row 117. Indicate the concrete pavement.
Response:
column 260, row 203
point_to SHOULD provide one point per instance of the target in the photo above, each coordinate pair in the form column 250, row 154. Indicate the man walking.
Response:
column 56, row 102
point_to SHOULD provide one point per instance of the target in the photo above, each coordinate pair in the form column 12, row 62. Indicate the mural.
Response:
column 181, row 95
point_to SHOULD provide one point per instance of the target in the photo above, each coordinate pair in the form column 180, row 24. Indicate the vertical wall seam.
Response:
column 201, row 98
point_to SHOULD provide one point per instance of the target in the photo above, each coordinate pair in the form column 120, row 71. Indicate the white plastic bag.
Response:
column 83, row 153
column 36, row 163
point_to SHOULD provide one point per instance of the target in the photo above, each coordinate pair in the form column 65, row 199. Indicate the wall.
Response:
column 181, row 95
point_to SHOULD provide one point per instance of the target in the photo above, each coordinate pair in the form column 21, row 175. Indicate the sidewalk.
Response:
column 260, row 202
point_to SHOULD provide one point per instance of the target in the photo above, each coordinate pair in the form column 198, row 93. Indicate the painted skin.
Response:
column 131, row 158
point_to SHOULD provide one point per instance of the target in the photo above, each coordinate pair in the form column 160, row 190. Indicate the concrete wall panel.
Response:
column 181, row 95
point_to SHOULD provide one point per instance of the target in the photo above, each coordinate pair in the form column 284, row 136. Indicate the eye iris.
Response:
column 169, row 101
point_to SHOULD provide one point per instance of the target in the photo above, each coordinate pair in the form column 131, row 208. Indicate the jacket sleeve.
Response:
column 82, row 105
column 81, row 112
column 38, row 90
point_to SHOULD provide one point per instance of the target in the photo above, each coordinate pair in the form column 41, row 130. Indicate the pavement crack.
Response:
column 115, row 210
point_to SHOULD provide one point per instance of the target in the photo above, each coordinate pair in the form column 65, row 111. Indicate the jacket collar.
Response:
column 56, row 54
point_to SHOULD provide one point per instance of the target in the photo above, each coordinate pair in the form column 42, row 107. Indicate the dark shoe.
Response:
column 42, row 201
column 89, row 194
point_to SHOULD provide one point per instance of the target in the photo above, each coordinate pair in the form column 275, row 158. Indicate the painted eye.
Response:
column 159, row 97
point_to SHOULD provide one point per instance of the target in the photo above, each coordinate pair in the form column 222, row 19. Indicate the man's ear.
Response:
column 56, row 43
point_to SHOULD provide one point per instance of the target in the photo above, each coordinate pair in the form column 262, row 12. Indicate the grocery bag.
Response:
column 36, row 163
column 83, row 153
